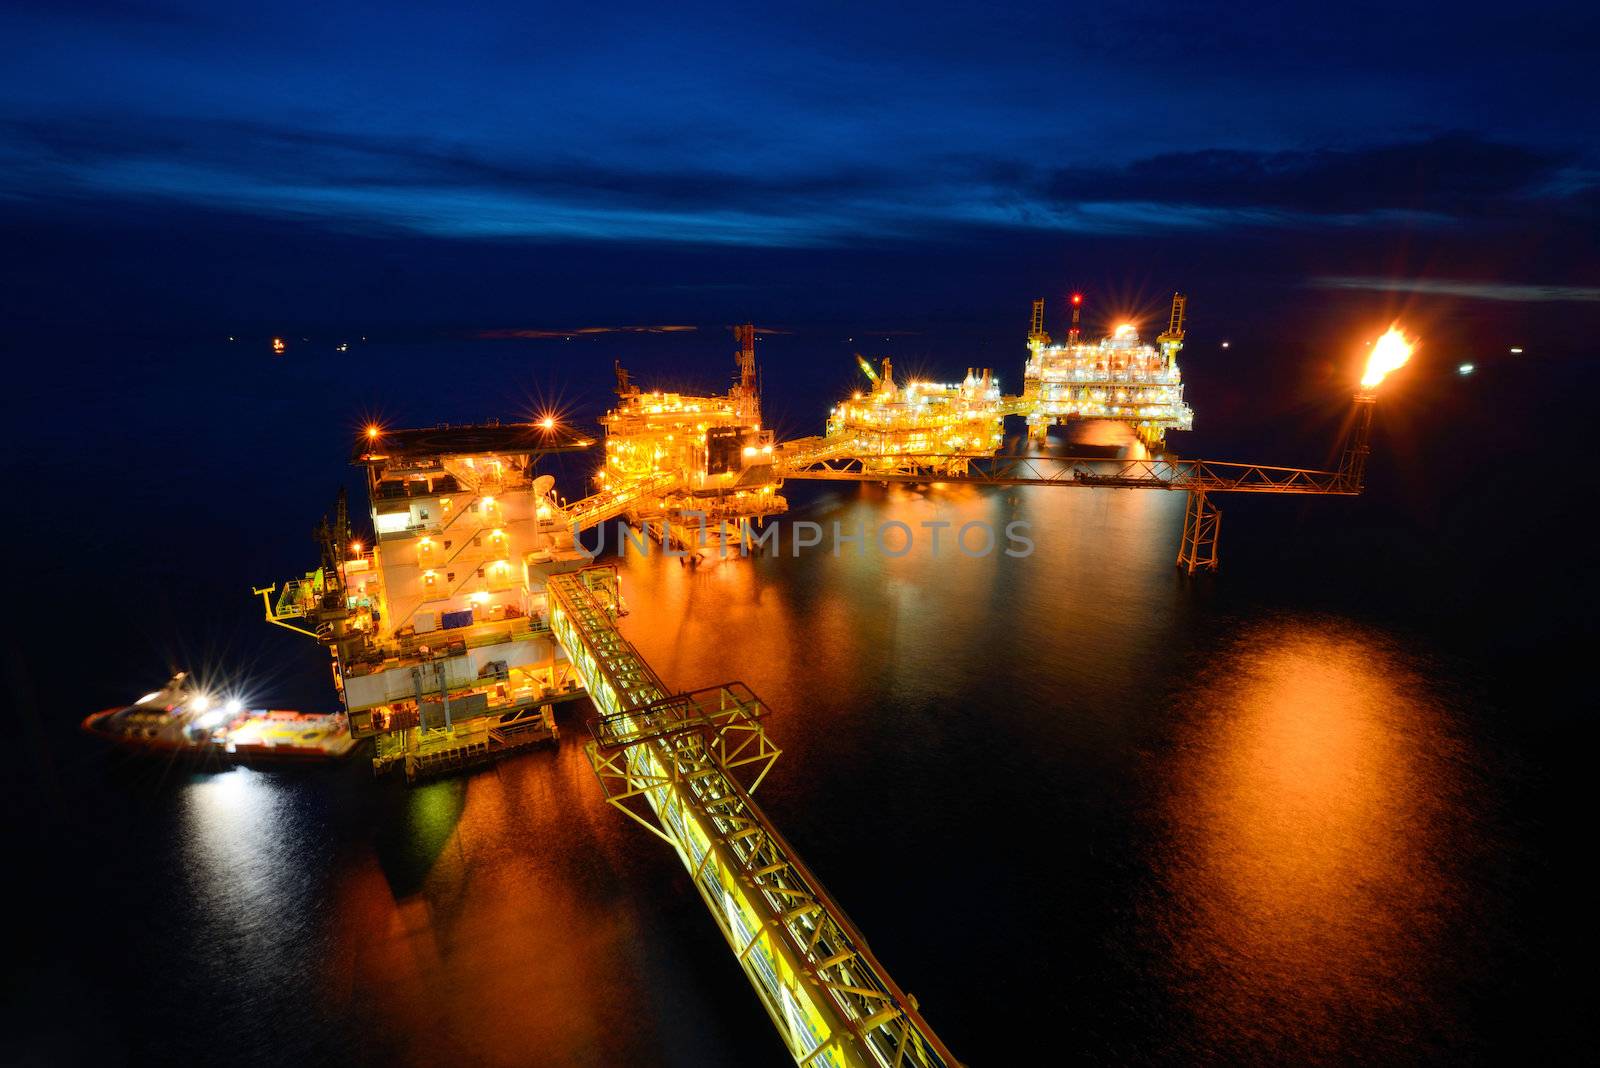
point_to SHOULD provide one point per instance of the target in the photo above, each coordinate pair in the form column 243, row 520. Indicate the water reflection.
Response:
column 240, row 857
column 526, row 928
column 1310, row 869
column 417, row 830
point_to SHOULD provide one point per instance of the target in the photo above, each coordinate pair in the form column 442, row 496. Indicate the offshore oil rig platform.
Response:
column 1118, row 377
column 475, row 610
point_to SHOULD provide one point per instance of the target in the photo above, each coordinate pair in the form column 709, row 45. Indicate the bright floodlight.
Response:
column 233, row 707
column 1389, row 353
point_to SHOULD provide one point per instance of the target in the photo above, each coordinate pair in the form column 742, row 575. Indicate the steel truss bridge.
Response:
column 1198, row 478
column 671, row 761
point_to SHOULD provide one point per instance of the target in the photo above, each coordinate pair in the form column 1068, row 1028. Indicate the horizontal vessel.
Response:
column 181, row 720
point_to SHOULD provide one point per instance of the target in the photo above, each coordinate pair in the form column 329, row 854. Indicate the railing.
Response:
column 609, row 504
column 299, row 596
column 473, row 636
column 1133, row 377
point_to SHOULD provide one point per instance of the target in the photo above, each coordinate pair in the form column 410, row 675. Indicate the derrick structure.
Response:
column 671, row 761
column 1118, row 377
column 438, row 630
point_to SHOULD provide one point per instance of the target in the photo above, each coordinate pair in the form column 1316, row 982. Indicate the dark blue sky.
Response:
column 170, row 166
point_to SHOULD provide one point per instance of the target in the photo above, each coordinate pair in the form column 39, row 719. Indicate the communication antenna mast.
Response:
column 1077, row 308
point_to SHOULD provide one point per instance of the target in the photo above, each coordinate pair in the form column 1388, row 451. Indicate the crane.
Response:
column 1036, row 335
column 866, row 369
column 1172, row 340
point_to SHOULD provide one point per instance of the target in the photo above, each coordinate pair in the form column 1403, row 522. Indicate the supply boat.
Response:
column 181, row 719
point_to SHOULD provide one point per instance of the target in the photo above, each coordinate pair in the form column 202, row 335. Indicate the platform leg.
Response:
column 1202, row 523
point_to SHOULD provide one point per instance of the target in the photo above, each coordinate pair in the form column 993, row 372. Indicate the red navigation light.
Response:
column 1077, row 298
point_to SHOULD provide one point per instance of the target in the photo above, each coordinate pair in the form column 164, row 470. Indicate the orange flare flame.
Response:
column 1389, row 353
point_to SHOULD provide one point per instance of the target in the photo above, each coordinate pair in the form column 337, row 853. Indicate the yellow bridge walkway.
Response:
column 668, row 761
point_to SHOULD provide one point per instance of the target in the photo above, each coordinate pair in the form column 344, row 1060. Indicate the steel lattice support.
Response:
column 1198, row 478
column 668, row 762
column 1202, row 524
column 1083, row 472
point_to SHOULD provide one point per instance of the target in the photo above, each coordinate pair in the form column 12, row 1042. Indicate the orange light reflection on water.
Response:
column 1310, row 804
column 506, row 919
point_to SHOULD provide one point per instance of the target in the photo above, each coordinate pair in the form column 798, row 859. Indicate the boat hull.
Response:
column 173, row 744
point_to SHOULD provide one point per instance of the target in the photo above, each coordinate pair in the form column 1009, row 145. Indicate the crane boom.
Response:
column 1036, row 334
column 866, row 368
column 1172, row 339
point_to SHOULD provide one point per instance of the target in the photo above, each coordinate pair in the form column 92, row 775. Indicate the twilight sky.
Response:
column 506, row 165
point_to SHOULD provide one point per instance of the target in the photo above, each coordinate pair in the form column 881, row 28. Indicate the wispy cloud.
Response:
column 439, row 188
column 582, row 330
column 1451, row 174
column 1505, row 291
